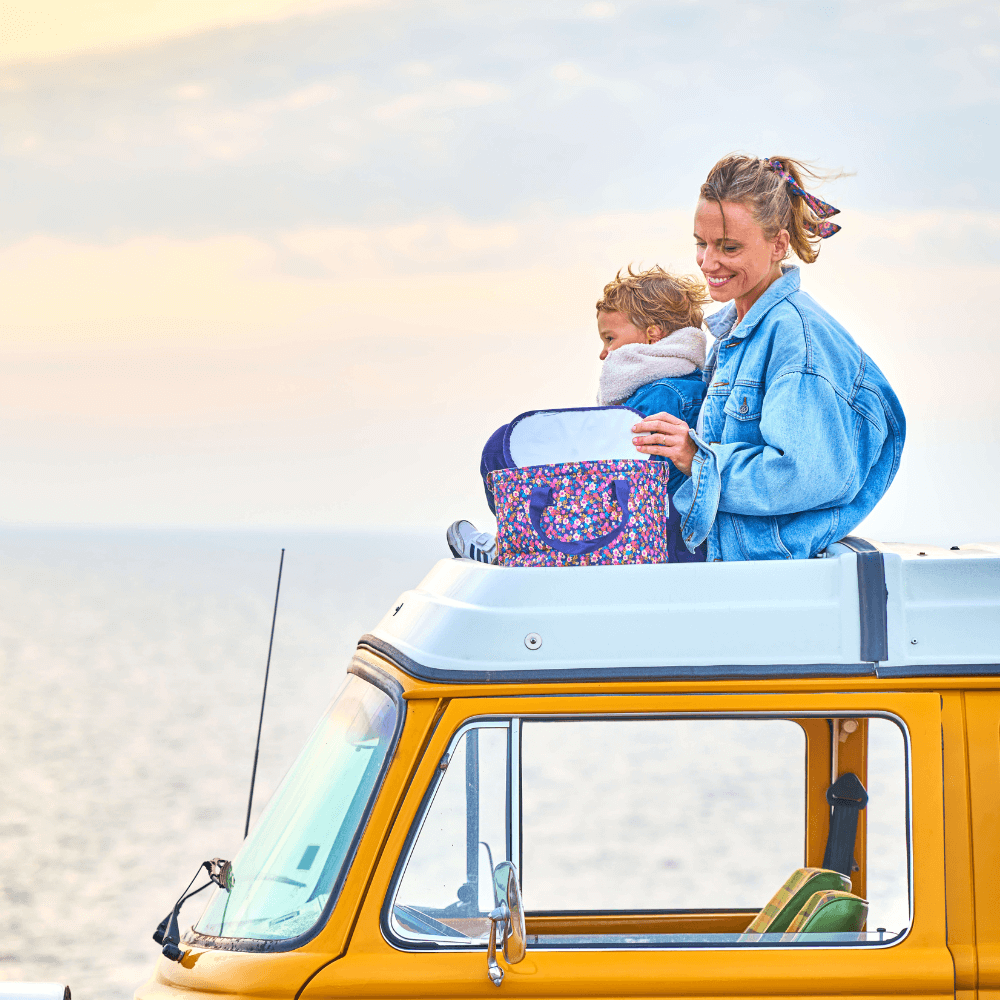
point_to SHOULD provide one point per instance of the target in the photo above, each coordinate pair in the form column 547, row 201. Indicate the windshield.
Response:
column 291, row 862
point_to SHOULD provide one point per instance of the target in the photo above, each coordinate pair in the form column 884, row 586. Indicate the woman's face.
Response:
column 616, row 330
column 738, row 263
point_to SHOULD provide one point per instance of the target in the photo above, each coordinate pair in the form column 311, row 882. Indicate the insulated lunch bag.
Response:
column 577, row 493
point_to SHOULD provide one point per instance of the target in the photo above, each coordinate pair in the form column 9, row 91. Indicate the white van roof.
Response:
column 867, row 608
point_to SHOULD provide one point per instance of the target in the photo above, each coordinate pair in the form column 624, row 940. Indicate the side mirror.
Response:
column 506, row 921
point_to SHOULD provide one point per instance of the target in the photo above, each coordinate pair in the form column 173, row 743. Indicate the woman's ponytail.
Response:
column 774, row 191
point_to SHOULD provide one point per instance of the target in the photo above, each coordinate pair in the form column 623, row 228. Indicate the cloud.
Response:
column 359, row 114
column 573, row 80
column 150, row 288
column 350, row 241
column 309, row 97
column 443, row 97
column 224, row 131
column 428, row 245
column 45, row 30
column 190, row 92
column 389, row 353
column 144, row 290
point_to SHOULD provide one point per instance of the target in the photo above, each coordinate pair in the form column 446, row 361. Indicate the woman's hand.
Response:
column 668, row 436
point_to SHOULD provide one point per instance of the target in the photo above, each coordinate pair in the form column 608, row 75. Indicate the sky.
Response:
column 284, row 263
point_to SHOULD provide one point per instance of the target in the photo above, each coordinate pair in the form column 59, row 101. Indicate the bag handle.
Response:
column 541, row 497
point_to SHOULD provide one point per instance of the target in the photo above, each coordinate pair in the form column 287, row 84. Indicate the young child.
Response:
column 653, row 349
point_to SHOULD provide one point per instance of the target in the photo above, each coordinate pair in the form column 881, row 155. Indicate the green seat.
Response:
column 829, row 912
column 789, row 900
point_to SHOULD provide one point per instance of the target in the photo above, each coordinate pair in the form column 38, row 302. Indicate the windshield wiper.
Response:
column 168, row 933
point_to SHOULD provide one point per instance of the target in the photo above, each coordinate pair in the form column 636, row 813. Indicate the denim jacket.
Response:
column 800, row 434
column 680, row 396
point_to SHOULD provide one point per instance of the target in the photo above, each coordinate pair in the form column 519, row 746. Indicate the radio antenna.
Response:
column 267, row 672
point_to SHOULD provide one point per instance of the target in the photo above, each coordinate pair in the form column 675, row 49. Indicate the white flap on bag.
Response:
column 590, row 434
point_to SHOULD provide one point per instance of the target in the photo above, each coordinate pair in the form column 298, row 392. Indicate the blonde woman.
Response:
column 799, row 434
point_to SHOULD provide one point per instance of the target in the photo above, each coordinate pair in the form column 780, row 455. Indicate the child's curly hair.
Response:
column 656, row 298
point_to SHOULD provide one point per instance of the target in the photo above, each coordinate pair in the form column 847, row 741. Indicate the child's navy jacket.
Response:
column 680, row 396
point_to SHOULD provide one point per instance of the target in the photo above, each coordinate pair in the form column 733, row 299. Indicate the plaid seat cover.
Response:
column 792, row 896
column 830, row 912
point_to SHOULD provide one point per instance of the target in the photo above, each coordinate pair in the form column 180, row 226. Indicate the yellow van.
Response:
column 701, row 780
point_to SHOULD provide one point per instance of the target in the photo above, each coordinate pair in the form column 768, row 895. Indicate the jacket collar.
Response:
column 723, row 322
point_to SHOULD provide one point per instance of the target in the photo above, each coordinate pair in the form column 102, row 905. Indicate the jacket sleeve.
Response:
column 657, row 398
column 808, row 460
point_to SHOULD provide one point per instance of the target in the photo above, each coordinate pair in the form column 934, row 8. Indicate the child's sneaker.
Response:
column 467, row 542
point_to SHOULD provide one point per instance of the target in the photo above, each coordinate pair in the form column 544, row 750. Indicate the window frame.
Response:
column 515, row 833
column 513, row 809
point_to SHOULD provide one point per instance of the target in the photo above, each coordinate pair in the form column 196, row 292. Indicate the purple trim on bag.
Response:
column 541, row 497
column 509, row 462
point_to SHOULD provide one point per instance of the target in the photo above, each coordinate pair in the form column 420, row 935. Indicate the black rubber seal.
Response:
column 558, row 675
column 941, row 670
column 873, row 599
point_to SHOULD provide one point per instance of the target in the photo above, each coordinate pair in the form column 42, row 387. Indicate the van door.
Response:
column 649, row 831
column 983, row 728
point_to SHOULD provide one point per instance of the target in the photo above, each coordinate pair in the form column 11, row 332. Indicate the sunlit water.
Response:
column 131, row 667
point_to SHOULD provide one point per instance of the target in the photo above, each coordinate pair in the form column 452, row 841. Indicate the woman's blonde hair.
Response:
column 753, row 182
column 655, row 298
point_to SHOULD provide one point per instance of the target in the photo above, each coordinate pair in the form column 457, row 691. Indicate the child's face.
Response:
column 615, row 331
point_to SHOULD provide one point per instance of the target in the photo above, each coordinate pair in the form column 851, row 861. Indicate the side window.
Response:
column 660, row 813
column 664, row 832
column 447, row 887
column 888, row 843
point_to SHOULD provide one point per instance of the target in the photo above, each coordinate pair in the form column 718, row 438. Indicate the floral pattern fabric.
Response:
column 583, row 507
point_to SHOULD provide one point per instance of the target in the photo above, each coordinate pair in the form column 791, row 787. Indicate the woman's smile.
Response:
column 738, row 261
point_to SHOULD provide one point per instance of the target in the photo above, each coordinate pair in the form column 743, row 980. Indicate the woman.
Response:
column 800, row 434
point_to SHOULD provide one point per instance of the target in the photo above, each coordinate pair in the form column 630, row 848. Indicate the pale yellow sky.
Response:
column 32, row 30
column 332, row 347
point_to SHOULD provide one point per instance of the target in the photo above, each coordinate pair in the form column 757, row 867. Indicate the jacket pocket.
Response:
column 745, row 402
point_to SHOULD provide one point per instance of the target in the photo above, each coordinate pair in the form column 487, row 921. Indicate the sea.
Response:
column 131, row 673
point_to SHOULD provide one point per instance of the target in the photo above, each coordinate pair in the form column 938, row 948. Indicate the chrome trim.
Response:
column 506, row 922
column 498, row 926
column 514, row 790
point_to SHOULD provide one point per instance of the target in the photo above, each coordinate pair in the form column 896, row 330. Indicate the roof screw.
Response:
column 913, row 642
column 533, row 640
